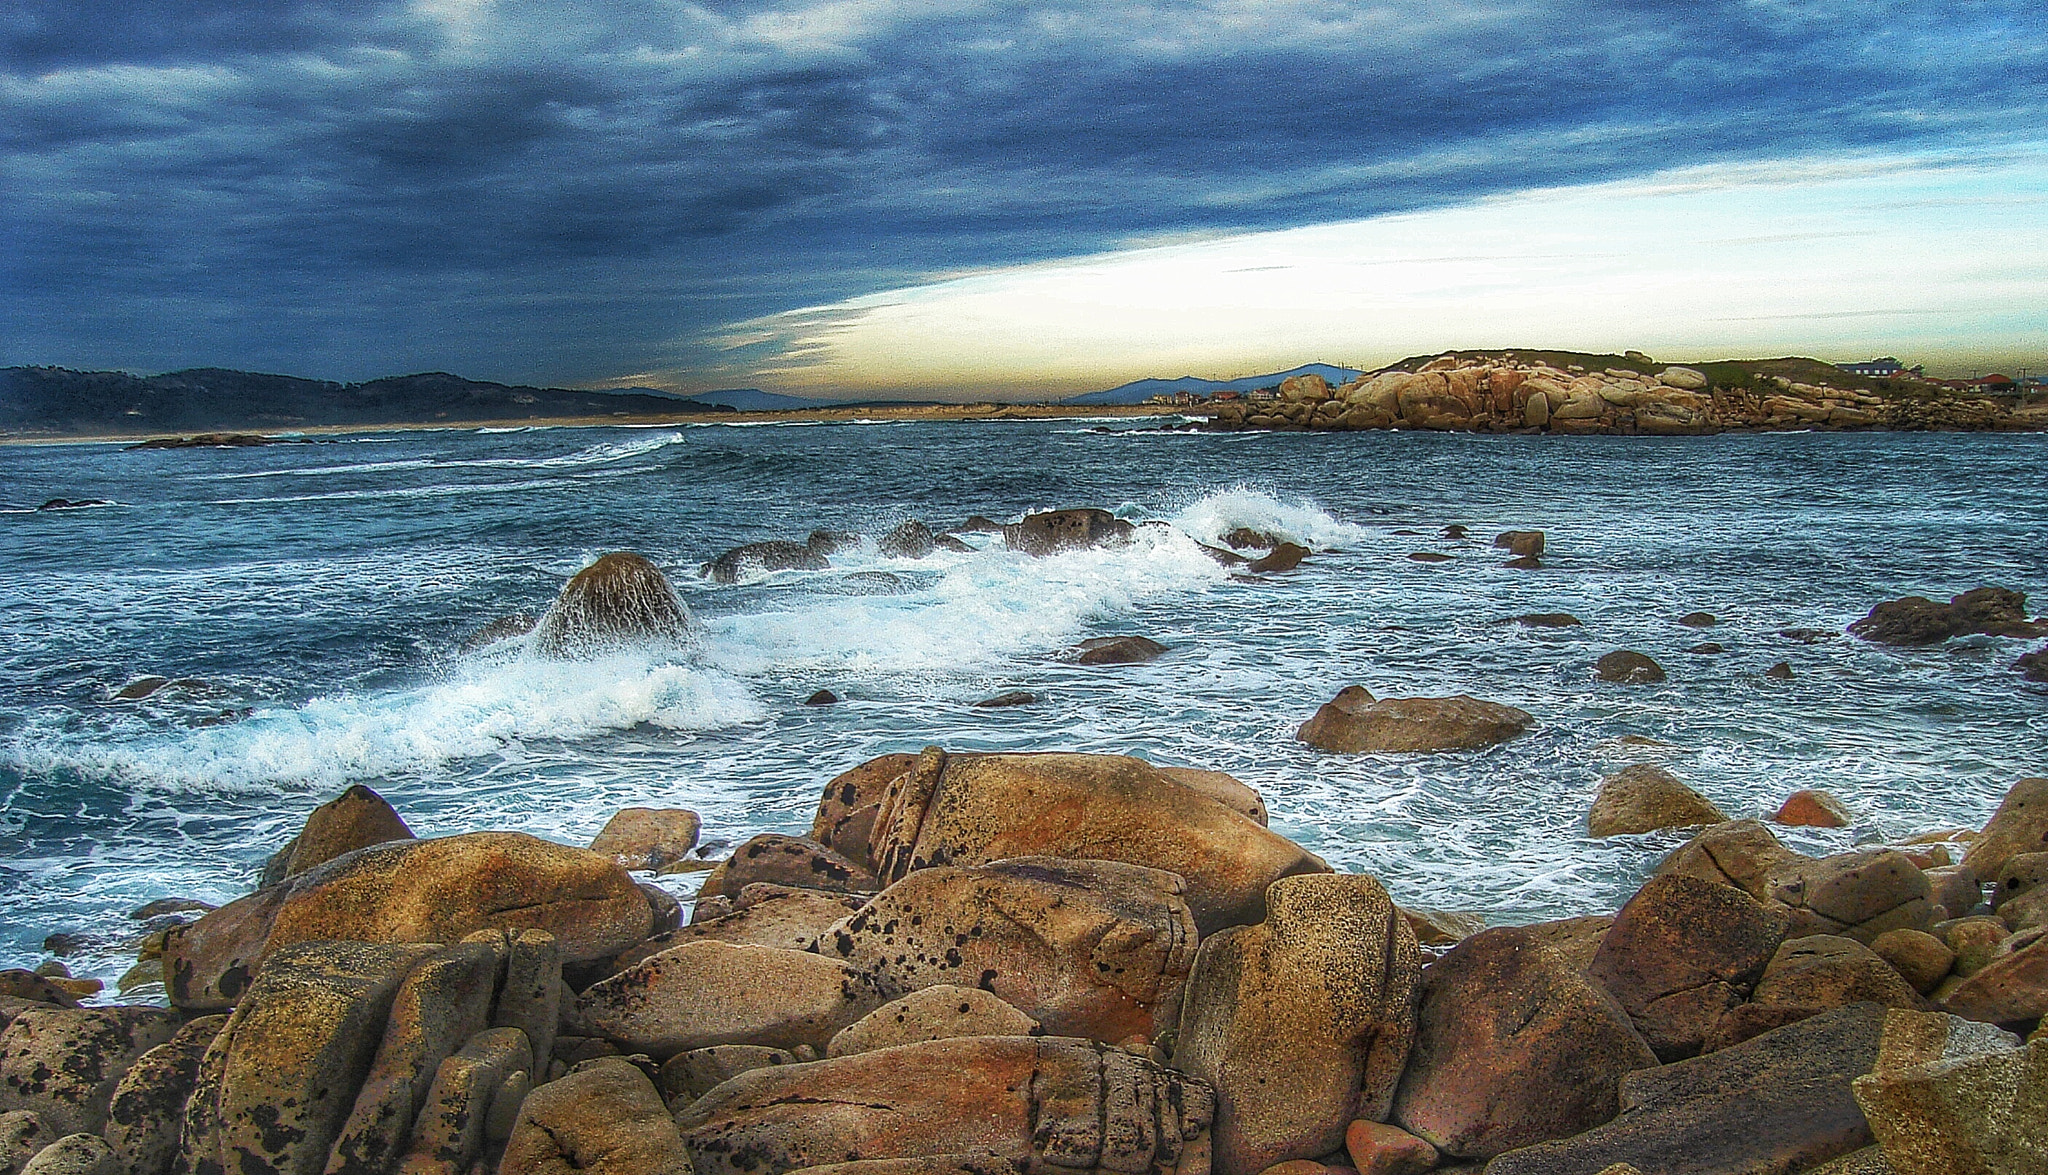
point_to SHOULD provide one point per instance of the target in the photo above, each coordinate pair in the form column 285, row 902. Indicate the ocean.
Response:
column 317, row 601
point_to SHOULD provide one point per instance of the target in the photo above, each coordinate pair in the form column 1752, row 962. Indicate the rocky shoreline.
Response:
column 1507, row 393
column 1030, row 964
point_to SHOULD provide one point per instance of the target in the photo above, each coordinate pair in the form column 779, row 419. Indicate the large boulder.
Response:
column 846, row 812
column 2020, row 825
column 355, row 819
column 1682, row 952
column 1777, row 1104
column 763, row 915
column 656, row 839
column 1047, row 1103
column 622, row 599
column 486, row 1080
column 63, row 1064
column 604, row 1119
column 1741, row 853
column 952, row 809
column 1949, row 1097
column 705, row 993
column 1859, row 895
column 787, row 860
column 1054, row 531
column 1515, row 1046
column 1644, row 797
column 437, row 890
column 278, row 1082
column 932, row 1013
column 1356, row 721
column 1301, row 1023
column 2011, row 986
column 1628, row 667
column 1810, row 975
column 1917, row 620
column 147, row 1113
column 1087, row 948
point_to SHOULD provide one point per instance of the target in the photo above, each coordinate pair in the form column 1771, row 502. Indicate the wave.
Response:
column 1218, row 513
column 590, row 455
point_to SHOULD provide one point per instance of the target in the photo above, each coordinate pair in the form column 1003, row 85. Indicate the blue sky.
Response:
column 710, row 195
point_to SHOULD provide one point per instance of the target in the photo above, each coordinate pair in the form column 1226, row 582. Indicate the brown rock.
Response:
column 1811, row 808
column 2019, row 826
column 19, row 984
column 22, row 1135
column 1917, row 620
column 1698, row 620
column 1049, row 1104
column 775, row 555
column 2021, row 874
column 278, row 1081
column 1223, row 787
column 787, row 860
column 846, row 812
column 1947, row 1097
column 1285, row 557
column 1956, row 890
column 1514, row 1047
column 707, row 993
column 909, row 540
column 1087, row 948
column 620, row 599
column 1526, row 543
column 1354, row 722
column 64, row 1064
column 1643, row 797
column 1442, row 928
column 648, row 838
column 147, row 1112
column 1301, row 1024
column 1741, row 853
column 1920, row 958
column 1857, row 894
column 1055, row 531
column 766, row 916
column 448, row 1137
column 1824, row 971
column 969, row 809
column 1782, row 671
column 932, row 1013
column 688, row 1076
column 355, row 819
column 2010, row 987
column 1682, row 952
column 210, row 962
column 605, row 1119
column 1975, row 941
column 531, row 998
column 1117, row 650
column 1379, row 1149
column 1628, row 668
column 74, row 1154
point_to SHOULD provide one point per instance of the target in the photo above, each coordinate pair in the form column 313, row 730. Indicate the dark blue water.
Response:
column 327, row 590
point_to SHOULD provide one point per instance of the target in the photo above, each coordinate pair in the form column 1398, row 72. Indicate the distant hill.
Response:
column 1139, row 391
column 755, row 400
column 56, row 401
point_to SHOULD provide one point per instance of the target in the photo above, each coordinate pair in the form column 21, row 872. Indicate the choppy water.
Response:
column 329, row 588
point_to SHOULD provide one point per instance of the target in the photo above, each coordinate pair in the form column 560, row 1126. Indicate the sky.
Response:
column 868, row 198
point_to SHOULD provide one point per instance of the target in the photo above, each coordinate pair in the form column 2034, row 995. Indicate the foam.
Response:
column 1216, row 514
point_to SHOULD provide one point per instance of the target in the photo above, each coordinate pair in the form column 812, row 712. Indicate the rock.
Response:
column 1811, row 808
column 436, row 890
column 1782, row 671
column 704, row 993
column 516, row 624
column 1048, row 1104
column 1429, row 557
column 1815, row 973
column 1056, row 531
column 63, row 1064
column 18, row 984
column 141, row 688
column 1956, row 890
column 846, row 811
column 1525, row 543
column 1306, row 386
column 448, row 1137
column 1087, row 948
column 1548, row 620
column 1920, row 958
column 932, row 1013
column 1514, row 1047
column 1245, row 538
column 823, row 697
column 22, row 1134
column 910, row 540
column 163, row 906
column 146, row 1114
column 1682, row 952
column 1699, row 620
column 1917, row 620
column 2011, row 987
column 648, row 838
column 1117, row 650
column 1354, row 721
column 2033, row 666
column 622, row 599
column 1440, row 928
column 1741, row 853
column 947, row 542
column 689, row 1076
column 1949, row 1097
column 2020, row 825
column 1222, row 787
column 355, row 819
column 1643, row 797
column 759, row 558
column 1284, row 557
column 1003, row 701
column 1975, row 941
column 280, row 1079
column 75, row 1154
column 2022, row 873
column 764, row 915
column 872, row 583
column 966, row 809
column 1706, row 649
column 1857, row 894
column 1628, row 668
column 445, row 1001
column 1778, row 1103
column 606, row 1119
column 1686, row 378
column 1302, row 1023
column 830, row 542
column 787, row 860
column 1379, row 1149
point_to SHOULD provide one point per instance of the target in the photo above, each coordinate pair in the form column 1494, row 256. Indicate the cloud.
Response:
column 559, row 191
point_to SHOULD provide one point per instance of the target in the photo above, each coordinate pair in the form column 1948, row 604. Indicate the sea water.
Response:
column 320, row 598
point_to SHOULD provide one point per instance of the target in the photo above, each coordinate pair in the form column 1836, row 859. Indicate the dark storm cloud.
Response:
column 565, row 191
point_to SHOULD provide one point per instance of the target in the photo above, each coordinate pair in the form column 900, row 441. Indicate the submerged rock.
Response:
column 1917, row 620
column 1628, row 667
column 775, row 555
column 621, row 599
column 1354, row 721
column 1118, row 650
column 1056, row 531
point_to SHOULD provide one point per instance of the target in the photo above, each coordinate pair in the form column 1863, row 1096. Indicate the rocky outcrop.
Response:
column 1680, row 954
column 1055, row 531
column 1859, row 895
column 763, row 915
column 64, row 1064
column 1087, row 948
column 845, row 821
column 146, row 1116
column 1355, row 721
column 964, row 809
column 2020, row 825
column 1917, row 620
column 1813, row 808
column 1628, row 667
column 1643, row 797
column 2011, row 987
column 355, row 819
column 1303, row 1022
column 1117, row 650
column 1950, row 1097
column 622, row 599
column 1741, row 853
column 1045, row 1104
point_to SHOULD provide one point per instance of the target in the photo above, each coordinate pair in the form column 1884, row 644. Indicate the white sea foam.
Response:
column 484, row 705
column 1217, row 514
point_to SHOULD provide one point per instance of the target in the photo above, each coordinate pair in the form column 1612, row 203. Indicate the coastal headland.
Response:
column 1052, row 962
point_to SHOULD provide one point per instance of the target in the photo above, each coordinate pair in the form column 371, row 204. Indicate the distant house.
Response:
column 1186, row 399
column 1883, row 368
column 1228, row 394
column 1988, row 382
column 1265, row 394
